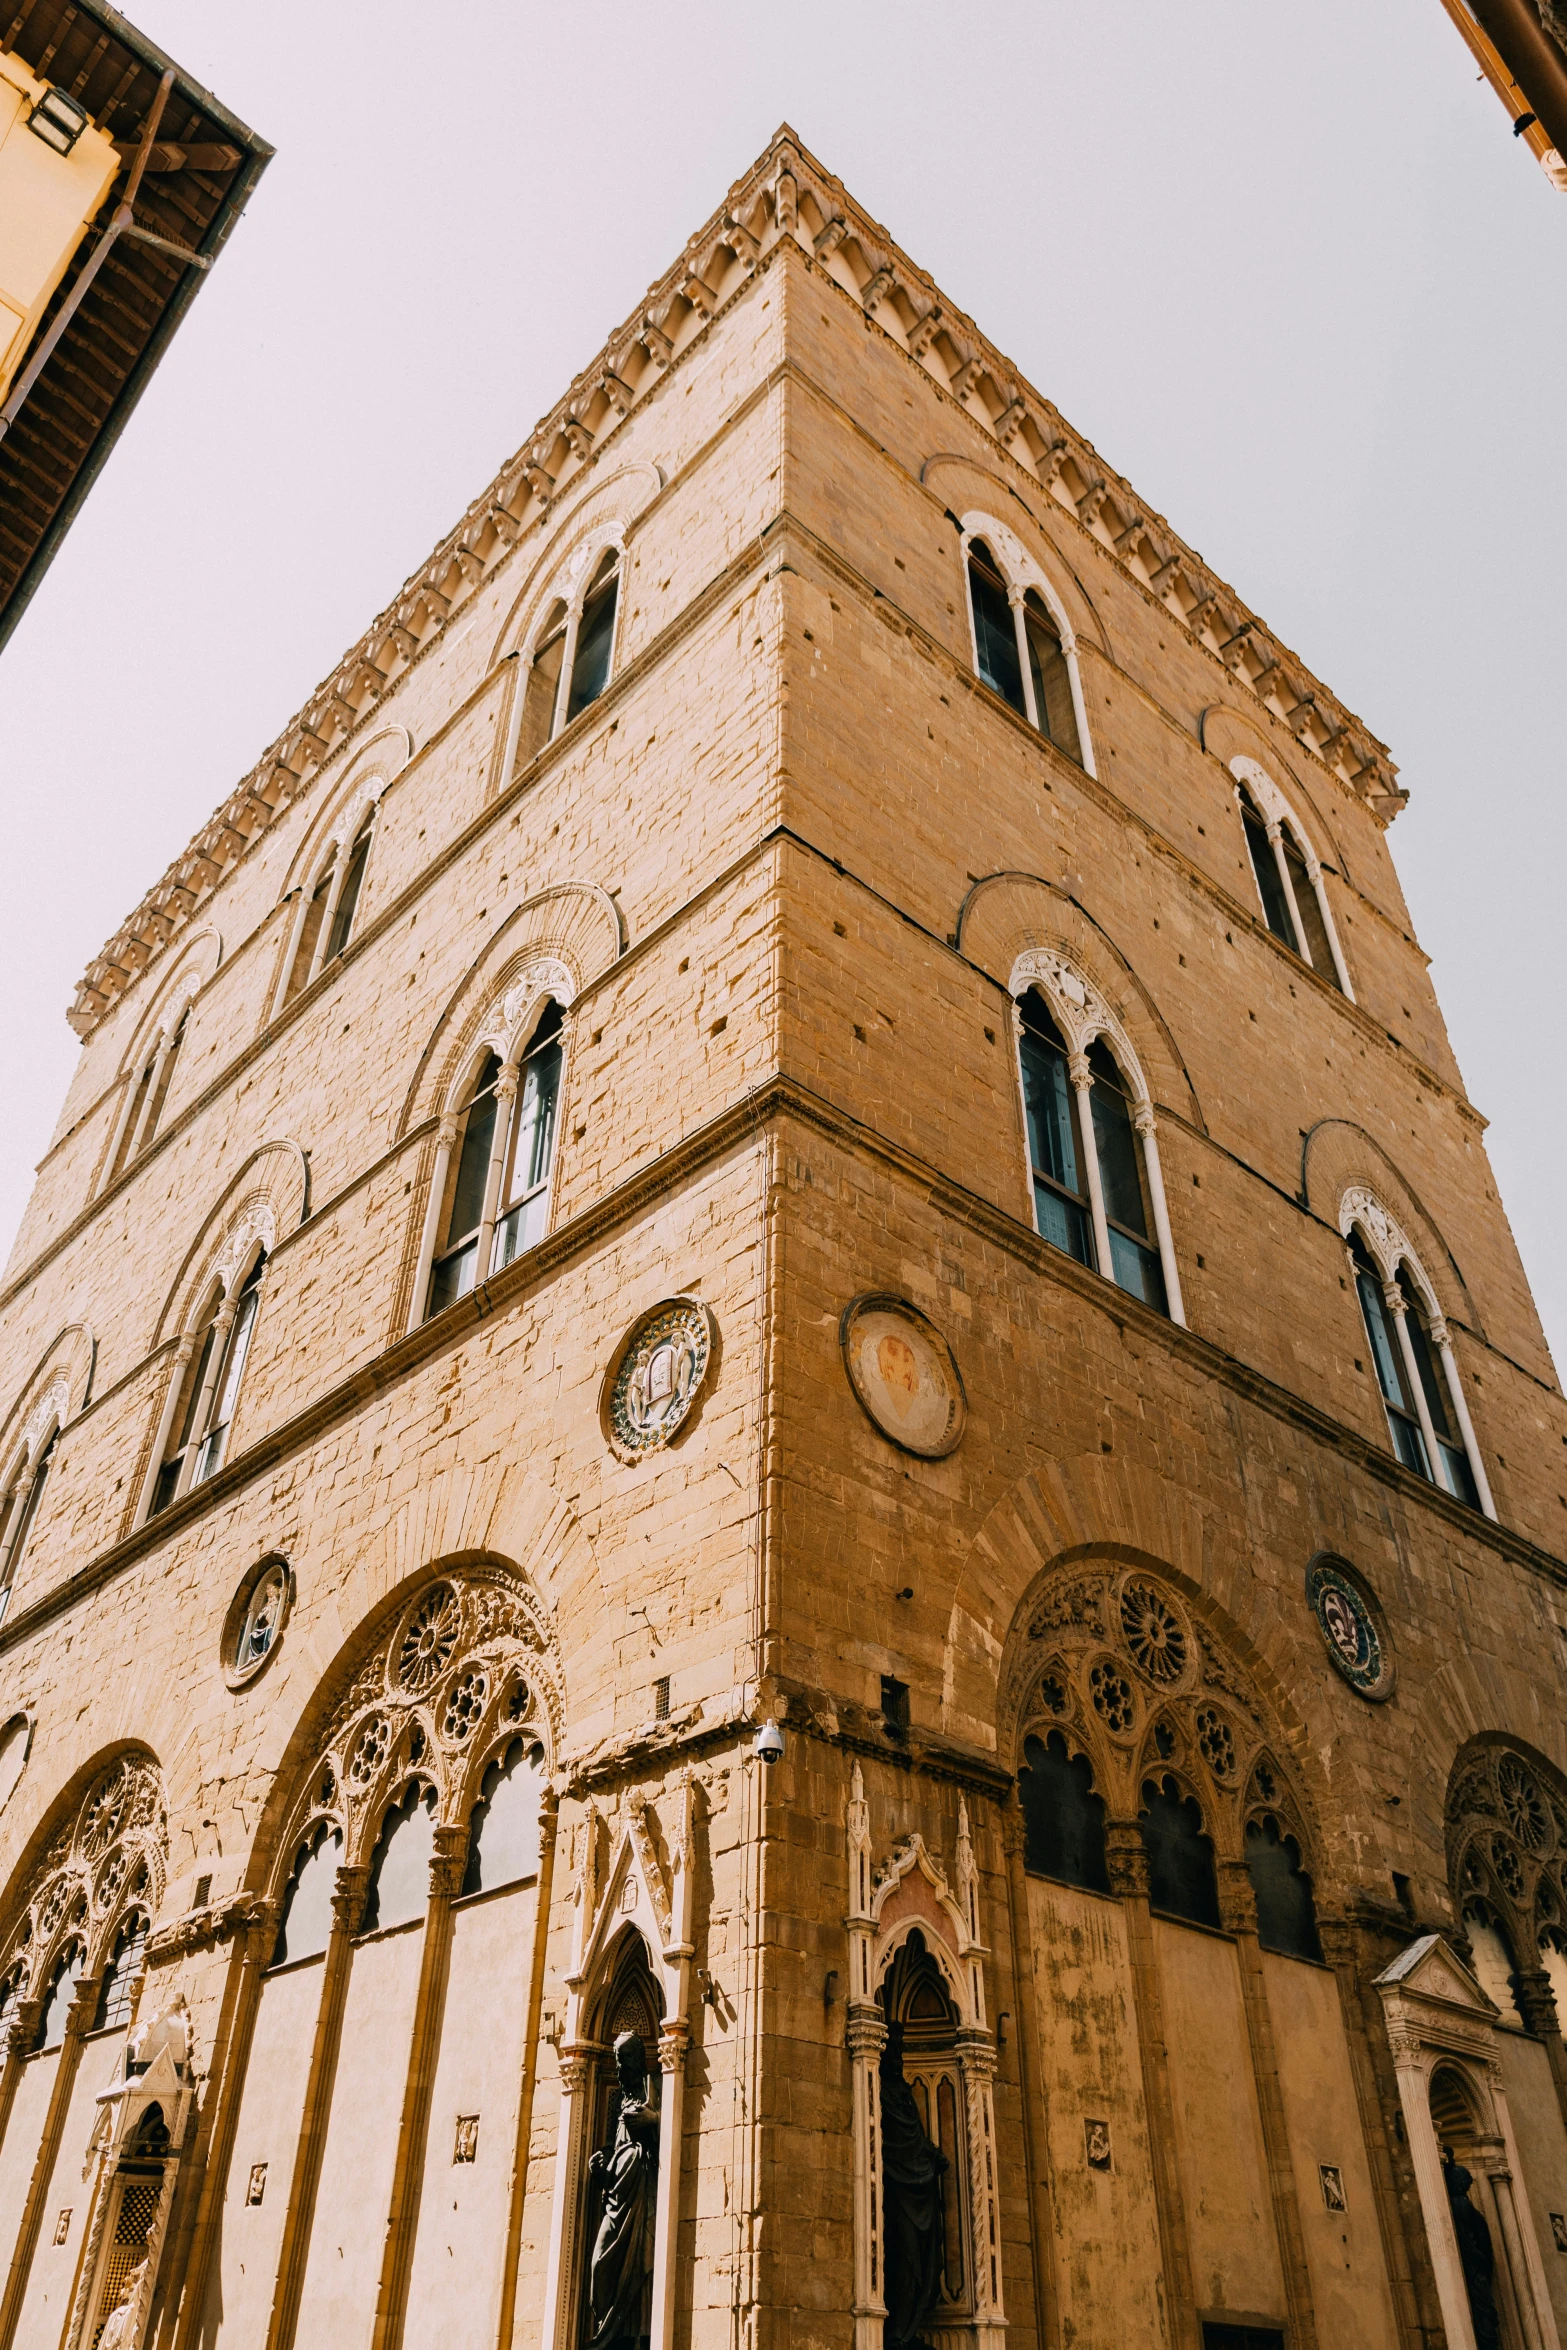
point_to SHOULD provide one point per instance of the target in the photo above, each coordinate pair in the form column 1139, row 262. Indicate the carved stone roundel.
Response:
column 904, row 1374
column 658, row 1375
column 1349, row 1630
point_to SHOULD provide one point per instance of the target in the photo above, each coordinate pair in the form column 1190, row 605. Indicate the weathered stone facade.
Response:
column 383, row 1685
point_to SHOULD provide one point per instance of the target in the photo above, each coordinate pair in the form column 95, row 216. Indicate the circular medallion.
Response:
column 904, row 1374
column 255, row 1620
column 1348, row 1623
column 657, row 1375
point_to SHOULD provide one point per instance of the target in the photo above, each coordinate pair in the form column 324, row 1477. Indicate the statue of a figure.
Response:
column 1478, row 2258
column 621, row 2265
column 912, row 2168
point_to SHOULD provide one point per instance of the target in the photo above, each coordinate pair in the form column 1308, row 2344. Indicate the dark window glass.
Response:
column 57, row 1999
column 1386, row 1355
column 455, row 1271
column 348, row 895
column 400, row 1863
column 995, row 631
column 1286, row 1914
column 894, row 1706
column 307, row 1903
column 225, row 1394
column 163, row 1077
column 1052, row 678
column 133, row 1122
column 1270, row 887
column 1452, row 1460
column 1225, row 2337
column 119, row 1976
column 538, row 708
column 1134, row 1263
column 503, row 1838
column 595, row 640
column 1181, row 1879
column 526, row 1193
column 1060, row 1201
column 1063, row 1819
column 1309, row 908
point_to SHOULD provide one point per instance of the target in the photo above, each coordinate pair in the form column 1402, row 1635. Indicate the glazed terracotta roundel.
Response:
column 904, row 1374
column 1348, row 1621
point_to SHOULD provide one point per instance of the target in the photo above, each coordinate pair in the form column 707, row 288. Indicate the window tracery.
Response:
column 1098, row 1185
column 1288, row 873
column 1412, row 1354
column 1128, row 1710
column 1507, row 1871
column 99, row 1879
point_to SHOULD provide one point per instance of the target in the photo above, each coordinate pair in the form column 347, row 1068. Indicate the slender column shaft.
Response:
column 505, row 1097
column 568, row 662
column 150, row 1102
column 24, row 2023
column 672, row 2045
column 165, row 1435
column 1238, row 1908
column 1161, row 1216
column 1444, row 1347
column 220, row 2118
column 1276, row 836
column 296, row 931
column 118, row 1151
column 1031, row 2083
column 1030, row 698
column 1331, row 927
column 1398, row 1308
column 561, row 2290
column 445, row 1142
column 1083, row 1083
column 866, row 2035
column 1501, row 2186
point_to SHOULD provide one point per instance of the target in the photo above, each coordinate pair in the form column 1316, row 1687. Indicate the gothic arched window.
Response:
column 1063, row 1819
column 1288, row 875
column 542, row 689
column 1054, row 712
column 119, row 1976
column 400, row 1864
column 306, row 1920
column 1061, row 1206
column 68, row 1971
column 209, row 1392
column 149, row 1092
column 324, row 922
column 1182, row 1882
column 1425, row 1416
column 498, row 1178
column 503, row 1833
column 1286, row 1913
column 995, row 631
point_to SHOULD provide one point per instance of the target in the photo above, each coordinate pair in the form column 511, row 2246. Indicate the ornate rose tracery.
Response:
column 1507, row 1865
column 109, row 1859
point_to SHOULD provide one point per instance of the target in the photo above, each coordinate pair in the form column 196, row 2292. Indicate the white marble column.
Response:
column 1143, row 1120
column 1082, row 1082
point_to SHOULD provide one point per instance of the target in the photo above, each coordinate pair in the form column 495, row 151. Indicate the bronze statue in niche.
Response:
column 1477, row 2256
column 913, row 2168
column 620, row 2267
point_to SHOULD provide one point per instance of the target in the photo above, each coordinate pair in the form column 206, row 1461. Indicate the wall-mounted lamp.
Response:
column 58, row 121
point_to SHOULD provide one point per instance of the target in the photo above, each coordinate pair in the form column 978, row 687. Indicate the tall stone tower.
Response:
column 782, row 1519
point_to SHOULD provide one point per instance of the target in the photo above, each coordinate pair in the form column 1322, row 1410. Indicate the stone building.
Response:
column 798, row 1112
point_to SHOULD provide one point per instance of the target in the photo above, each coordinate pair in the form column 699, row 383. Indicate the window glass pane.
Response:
column 538, row 709
column 536, row 1119
column 473, row 1162
column 1063, row 1819
column 503, row 1841
column 31, row 1506
column 1265, row 866
column 1181, row 1879
column 1052, row 680
column 348, row 896
column 454, row 1277
column 1286, row 1914
column 1134, row 1266
column 119, row 1978
column 307, row 1904
column 595, row 638
column 400, row 1864
column 1063, row 1223
column 1047, row 1096
column 995, row 632
column 62, row 1990
column 1384, row 1345
column 155, row 1106
column 1309, row 906
column 1457, row 1475
column 1431, row 1379
column 1117, row 1142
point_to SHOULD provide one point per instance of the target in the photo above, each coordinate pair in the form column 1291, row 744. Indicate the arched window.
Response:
column 1425, row 1414
column 19, row 1515
column 57, row 1999
column 1496, row 1968
column 148, row 1094
column 1181, row 1879
column 1019, row 650
column 1063, row 1819
column 306, row 1920
column 210, row 1391
column 595, row 636
column 503, row 1834
column 400, row 1864
column 1286, row 1913
column 542, row 691
column 1096, row 1185
column 1288, row 875
column 119, row 1976
column 497, row 1177
column 324, row 923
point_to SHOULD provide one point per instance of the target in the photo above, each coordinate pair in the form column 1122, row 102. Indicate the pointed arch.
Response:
column 1021, row 639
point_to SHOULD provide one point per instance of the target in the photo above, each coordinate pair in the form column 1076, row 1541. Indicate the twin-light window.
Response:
column 571, row 661
column 1294, row 904
column 1019, row 653
column 1424, row 1403
column 197, row 1435
column 498, row 1184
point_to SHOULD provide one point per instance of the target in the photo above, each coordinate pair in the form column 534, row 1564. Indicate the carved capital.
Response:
column 1337, row 1937
column 865, row 2030
column 1126, row 1858
column 21, row 2027
column 446, row 1135
column 349, row 1889
column 1144, row 1120
column 1439, row 1332
column 576, row 2070
column 447, row 1863
column 1394, row 1299
column 673, row 2041
column 1079, row 1072
column 1536, row 2002
column 977, row 2054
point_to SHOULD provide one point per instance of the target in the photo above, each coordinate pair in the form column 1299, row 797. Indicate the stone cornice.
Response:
column 775, row 201
column 737, row 1126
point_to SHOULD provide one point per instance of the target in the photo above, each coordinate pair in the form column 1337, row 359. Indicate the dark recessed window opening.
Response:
column 1063, row 1819
column 1181, row 1878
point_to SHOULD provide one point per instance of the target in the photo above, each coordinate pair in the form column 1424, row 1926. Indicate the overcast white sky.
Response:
column 1279, row 259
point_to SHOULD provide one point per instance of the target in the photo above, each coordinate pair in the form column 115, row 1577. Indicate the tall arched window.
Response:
column 572, row 658
column 324, row 922
column 595, row 636
column 1289, row 876
column 19, row 1513
column 1286, row 1913
column 493, row 1172
column 196, row 1436
column 1020, row 650
column 542, row 690
column 1182, row 1882
column 1412, row 1356
column 1097, row 1184
column 1063, row 1818
column 149, row 1092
